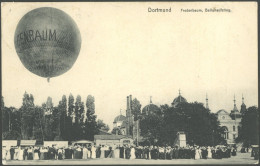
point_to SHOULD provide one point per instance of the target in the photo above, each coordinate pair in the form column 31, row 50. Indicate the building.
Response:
column 231, row 122
column 120, row 123
column 178, row 99
column 126, row 125
column 150, row 108
column 112, row 140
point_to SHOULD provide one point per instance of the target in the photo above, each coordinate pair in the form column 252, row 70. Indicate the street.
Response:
column 241, row 158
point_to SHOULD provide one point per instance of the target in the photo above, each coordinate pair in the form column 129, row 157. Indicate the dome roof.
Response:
column 120, row 118
column 150, row 108
column 178, row 100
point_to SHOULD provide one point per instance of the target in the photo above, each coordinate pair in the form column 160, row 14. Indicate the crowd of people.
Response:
column 125, row 152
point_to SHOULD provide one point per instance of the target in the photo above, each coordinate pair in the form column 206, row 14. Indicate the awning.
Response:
column 83, row 142
column 56, row 143
column 9, row 143
column 28, row 143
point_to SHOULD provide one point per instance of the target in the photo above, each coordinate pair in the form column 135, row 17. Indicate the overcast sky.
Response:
column 127, row 50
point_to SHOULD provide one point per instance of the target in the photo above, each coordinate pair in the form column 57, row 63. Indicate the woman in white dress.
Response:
column 85, row 153
column 93, row 152
column 132, row 153
column 8, row 154
column 4, row 153
column 116, row 152
column 209, row 153
column 102, row 152
column 197, row 154
column 20, row 154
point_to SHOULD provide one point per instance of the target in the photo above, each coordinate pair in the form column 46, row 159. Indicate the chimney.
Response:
column 130, row 102
column 127, row 107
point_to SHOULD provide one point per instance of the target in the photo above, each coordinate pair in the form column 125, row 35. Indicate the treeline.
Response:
column 66, row 121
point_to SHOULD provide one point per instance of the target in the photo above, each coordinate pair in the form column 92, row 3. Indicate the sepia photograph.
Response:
column 129, row 83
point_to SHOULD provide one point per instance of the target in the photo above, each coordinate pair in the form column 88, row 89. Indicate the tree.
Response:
column 63, row 113
column 249, row 133
column 116, row 131
column 69, row 118
column 79, row 111
column 90, row 128
column 79, row 118
column 201, row 127
column 136, row 108
column 48, row 109
column 27, row 116
column 39, row 124
column 71, row 106
column 151, row 125
column 101, row 125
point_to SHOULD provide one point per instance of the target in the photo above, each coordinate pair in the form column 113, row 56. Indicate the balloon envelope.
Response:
column 47, row 41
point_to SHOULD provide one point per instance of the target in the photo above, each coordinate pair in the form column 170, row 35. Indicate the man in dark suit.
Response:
column 121, row 151
column 12, row 152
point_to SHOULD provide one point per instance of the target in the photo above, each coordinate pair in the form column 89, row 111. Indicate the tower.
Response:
column 207, row 104
column 243, row 106
column 235, row 106
column 129, row 122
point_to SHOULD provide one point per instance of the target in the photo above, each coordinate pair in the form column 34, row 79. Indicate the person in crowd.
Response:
column 70, row 153
column 176, row 152
column 161, row 153
column 89, row 147
column 168, row 153
column 121, row 151
column 132, row 153
column 52, row 153
column 93, row 152
column 20, row 153
column 117, row 155
column 12, row 152
column 79, row 152
column 146, row 152
column 98, row 151
column 16, row 150
column 45, row 153
column 36, row 153
column 127, row 152
column 41, row 153
column 85, row 153
column 150, row 152
column 204, row 153
column 8, row 153
column 197, row 154
column 209, row 156
column 4, row 152
column 30, row 153
column 60, row 154
column 234, row 151
column 102, row 152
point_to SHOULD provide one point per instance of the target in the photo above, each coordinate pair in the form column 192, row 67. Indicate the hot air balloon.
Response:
column 47, row 41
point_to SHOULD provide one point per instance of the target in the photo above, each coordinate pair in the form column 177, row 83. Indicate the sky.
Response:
column 127, row 50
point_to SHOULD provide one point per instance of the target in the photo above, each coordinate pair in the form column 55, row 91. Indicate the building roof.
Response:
column 120, row 118
column 222, row 111
column 179, row 99
column 109, row 137
column 150, row 108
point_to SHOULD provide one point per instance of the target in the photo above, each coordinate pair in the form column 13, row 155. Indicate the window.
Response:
column 234, row 128
column 234, row 136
